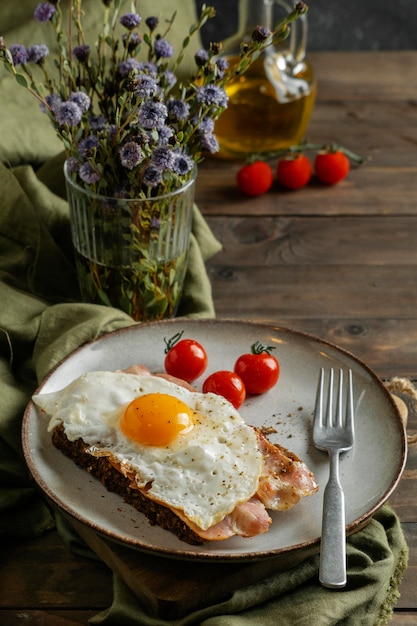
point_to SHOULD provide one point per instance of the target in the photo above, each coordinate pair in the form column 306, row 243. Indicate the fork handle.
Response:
column 333, row 538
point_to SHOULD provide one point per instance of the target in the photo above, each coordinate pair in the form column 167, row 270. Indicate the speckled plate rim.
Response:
column 231, row 336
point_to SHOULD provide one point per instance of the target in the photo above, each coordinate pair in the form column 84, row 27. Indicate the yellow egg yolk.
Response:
column 156, row 419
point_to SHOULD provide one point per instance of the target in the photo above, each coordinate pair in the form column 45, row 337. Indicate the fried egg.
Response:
column 192, row 451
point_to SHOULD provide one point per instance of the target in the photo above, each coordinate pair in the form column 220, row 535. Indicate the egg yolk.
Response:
column 156, row 419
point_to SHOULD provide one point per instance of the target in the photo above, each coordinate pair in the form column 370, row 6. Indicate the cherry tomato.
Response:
column 256, row 178
column 294, row 172
column 258, row 369
column 185, row 358
column 331, row 167
column 226, row 384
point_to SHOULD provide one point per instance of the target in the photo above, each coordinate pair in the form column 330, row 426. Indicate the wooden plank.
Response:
column 287, row 240
column 372, row 75
column 44, row 573
column 359, row 194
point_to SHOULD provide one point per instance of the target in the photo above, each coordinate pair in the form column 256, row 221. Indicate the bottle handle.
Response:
column 295, row 52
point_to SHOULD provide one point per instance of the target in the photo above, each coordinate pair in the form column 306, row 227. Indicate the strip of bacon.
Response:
column 285, row 480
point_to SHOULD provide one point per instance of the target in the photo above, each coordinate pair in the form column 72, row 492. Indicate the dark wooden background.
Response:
column 339, row 24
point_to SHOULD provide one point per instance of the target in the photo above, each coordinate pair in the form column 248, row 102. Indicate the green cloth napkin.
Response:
column 377, row 557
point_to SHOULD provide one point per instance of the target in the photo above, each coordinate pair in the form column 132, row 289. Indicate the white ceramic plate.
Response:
column 369, row 472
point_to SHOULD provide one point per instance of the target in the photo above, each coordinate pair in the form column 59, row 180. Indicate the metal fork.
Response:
column 333, row 431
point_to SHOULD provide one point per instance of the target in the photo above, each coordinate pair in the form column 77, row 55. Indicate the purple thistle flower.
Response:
column 44, row 12
column 130, row 155
column 19, row 54
column 148, row 68
column 183, row 164
column 152, row 177
column 260, row 34
column 126, row 67
column 152, row 115
column 131, row 40
column 81, row 53
column 53, row 100
column 178, row 109
column 88, row 174
column 201, row 57
column 146, row 86
column 73, row 164
column 88, row 146
column 81, row 99
column 164, row 135
column 97, row 122
column 169, row 78
column 222, row 64
column 212, row 95
column 205, row 125
column 68, row 113
column 37, row 53
column 163, row 158
column 209, row 143
column 130, row 20
column 152, row 22
column 163, row 49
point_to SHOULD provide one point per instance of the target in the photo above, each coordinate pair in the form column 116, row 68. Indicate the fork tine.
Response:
column 349, row 405
column 318, row 409
column 329, row 412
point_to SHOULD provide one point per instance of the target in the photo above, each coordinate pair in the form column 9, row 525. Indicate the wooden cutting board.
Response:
column 172, row 588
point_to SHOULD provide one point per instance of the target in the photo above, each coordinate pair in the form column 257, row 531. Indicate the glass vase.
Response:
column 132, row 254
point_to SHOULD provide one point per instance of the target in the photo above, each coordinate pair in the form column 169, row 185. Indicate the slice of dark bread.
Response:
column 113, row 480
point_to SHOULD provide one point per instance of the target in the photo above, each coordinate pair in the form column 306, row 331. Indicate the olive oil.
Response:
column 268, row 109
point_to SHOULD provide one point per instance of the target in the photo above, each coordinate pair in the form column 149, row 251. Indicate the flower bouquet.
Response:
column 133, row 134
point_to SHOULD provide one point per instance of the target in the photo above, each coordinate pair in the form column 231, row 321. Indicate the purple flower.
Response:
column 222, row 64
column 163, row 158
column 130, row 20
column 212, row 95
column 163, row 49
column 260, row 34
column 178, row 109
column 152, row 115
column 88, row 174
column 37, row 52
column 131, row 40
column 88, row 146
column 68, row 113
column 152, row 22
column 19, row 54
column 97, row 122
column 205, row 125
column 130, row 155
column 53, row 100
column 169, row 78
column 209, row 143
column 81, row 99
column 152, row 176
column 44, row 11
column 164, row 135
column 126, row 67
column 201, row 57
column 81, row 53
column 183, row 164
column 148, row 68
column 73, row 164
column 146, row 86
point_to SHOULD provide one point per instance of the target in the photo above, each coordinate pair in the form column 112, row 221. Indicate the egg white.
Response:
column 205, row 472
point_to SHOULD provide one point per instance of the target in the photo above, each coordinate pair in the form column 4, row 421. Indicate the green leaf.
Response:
column 22, row 80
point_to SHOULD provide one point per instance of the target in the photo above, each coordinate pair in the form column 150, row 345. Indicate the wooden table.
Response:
column 339, row 262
